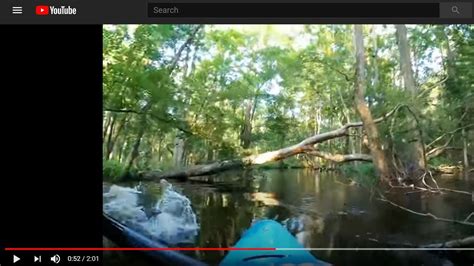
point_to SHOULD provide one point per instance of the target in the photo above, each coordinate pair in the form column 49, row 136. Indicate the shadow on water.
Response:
column 323, row 213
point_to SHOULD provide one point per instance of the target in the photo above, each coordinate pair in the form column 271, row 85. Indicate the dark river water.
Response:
column 323, row 211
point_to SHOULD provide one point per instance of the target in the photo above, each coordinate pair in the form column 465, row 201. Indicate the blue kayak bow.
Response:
column 269, row 234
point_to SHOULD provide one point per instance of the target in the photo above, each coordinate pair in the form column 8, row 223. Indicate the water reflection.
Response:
column 320, row 212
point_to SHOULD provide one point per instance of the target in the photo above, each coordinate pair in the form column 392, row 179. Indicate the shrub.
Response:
column 112, row 170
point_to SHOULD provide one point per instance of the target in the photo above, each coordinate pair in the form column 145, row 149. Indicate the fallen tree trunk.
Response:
column 197, row 170
column 303, row 147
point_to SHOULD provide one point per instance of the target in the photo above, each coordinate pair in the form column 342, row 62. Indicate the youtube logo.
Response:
column 42, row 10
column 55, row 10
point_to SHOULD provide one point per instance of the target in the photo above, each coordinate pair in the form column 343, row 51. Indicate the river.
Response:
column 323, row 210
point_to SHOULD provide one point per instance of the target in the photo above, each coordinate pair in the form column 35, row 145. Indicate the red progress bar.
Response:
column 130, row 249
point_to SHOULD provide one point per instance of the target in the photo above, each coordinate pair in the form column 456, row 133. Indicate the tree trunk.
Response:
column 150, row 151
column 123, row 149
column 136, row 146
column 210, row 154
column 347, row 144
column 451, row 76
column 120, row 152
column 378, row 155
column 178, row 152
column 160, row 150
column 110, row 132
column 464, row 150
column 245, row 136
column 415, row 151
column 449, row 65
column 111, row 144
column 110, row 135
column 405, row 59
column 105, row 127
column 318, row 120
column 375, row 64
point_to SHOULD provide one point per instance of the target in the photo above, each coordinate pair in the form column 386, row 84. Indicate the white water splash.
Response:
column 121, row 204
column 174, row 222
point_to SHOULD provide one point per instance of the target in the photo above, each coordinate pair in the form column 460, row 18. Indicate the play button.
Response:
column 42, row 10
column 15, row 259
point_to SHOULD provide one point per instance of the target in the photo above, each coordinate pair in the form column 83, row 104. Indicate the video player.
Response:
column 238, row 133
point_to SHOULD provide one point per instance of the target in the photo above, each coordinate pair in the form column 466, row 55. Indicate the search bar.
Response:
column 297, row 10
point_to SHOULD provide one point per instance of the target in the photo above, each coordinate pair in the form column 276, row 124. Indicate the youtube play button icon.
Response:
column 42, row 10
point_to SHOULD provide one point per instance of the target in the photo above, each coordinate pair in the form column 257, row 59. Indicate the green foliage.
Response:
column 286, row 83
column 112, row 170
column 437, row 161
column 363, row 174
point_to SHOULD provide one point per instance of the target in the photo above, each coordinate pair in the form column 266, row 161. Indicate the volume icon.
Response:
column 56, row 259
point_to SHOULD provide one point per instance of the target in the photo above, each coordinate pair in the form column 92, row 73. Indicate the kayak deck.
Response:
column 269, row 234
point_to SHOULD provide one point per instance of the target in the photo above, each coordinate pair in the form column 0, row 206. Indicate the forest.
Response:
column 186, row 100
column 347, row 135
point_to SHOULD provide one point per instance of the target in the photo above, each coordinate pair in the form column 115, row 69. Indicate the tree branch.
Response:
column 465, row 222
column 469, row 217
column 465, row 242
column 346, row 76
column 456, row 243
column 378, row 120
column 173, row 121
column 423, row 92
column 448, row 133
column 188, row 41
column 438, row 150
